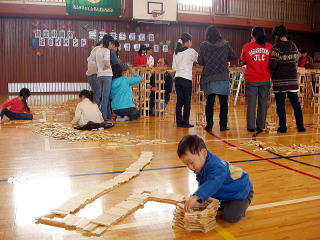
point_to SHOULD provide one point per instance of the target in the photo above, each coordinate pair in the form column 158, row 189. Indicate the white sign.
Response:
column 136, row 47
column 50, row 42
column 42, row 42
column 93, row 34
column 66, row 42
column 142, row 37
column 151, row 37
column 156, row 48
column 58, row 42
column 75, row 42
column 122, row 36
column 126, row 47
column 132, row 36
column 83, row 42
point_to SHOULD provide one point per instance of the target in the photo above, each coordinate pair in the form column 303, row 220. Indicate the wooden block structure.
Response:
column 144, row 91
column 200, row 98
column 316, row 100
column 159, row 94
column 237, row 85
column 201, row 219
column 272, row 123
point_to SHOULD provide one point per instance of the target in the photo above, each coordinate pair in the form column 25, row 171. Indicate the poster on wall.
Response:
column 126, row 47
column 75, row 42
column 66, row 42
column 42, row 42
column 58, row 42
column 151, row 37
column 93, row 34
column 54, row 33
column 142, row 37
column 83, row 42
column 94, row 7
column 136, row 47
column 122, row 36
column 45, row 33
column 156, row 48
column 165, row 48
column 50, row 42
column 132, row 36
column 114, row 35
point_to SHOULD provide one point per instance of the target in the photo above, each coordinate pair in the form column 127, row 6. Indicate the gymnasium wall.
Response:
column 19, row 63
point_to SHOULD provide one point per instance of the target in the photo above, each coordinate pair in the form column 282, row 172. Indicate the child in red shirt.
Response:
column 141, row 58
column 305, row 61
column 256, row 55
column 18, row 107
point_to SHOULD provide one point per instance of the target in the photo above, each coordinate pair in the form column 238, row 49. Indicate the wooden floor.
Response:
column 39, row 173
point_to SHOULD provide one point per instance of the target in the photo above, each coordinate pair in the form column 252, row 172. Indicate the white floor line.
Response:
column 251, row 208
column 47, row 144
column 281, row 203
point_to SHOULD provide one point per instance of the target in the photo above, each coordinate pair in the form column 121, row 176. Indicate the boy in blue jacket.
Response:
column 121, row 94
column 217, row 178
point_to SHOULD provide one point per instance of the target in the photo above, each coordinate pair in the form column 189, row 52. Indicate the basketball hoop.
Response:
column 157, row 14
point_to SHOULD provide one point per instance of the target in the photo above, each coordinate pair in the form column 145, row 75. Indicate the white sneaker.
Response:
column 122, row 119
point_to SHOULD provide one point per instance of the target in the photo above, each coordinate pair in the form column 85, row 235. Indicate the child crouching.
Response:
column 217, row 178
column 121, row 94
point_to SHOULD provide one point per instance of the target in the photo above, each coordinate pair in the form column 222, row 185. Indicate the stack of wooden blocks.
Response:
column 159, row 94
column 316, row 100
column 200, row 100
column 201, row 219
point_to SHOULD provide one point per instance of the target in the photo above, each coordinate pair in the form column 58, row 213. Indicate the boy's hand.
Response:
column 106, row 67
column 189, row 203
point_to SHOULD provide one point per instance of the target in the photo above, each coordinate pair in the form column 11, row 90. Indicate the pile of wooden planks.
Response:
column 201, row 219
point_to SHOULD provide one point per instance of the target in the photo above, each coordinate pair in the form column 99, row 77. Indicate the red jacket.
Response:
column 257, row 59
column 140, row 60
column 16, row 106
column 305, row 62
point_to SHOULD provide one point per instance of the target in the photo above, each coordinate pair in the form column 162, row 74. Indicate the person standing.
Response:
column 105, row 75
column 183, row 60
column 150, row 59
column 214, row 55
column 92, row 74
column 256, row 56
column 284, row 77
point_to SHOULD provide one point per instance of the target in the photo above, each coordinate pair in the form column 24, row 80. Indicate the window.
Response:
column 200, row 3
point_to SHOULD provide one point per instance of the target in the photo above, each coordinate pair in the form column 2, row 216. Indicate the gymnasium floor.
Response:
column 39, row 173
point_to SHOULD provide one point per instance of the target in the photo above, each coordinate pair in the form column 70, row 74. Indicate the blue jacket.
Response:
column 221, row 180
column 121, row 92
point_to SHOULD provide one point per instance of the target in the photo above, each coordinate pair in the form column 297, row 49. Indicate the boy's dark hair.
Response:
column 280, row 31
column 185, row 37
column 304, row 50
column 142, row 48
column 107, row 39
column 86, row 93
column 191, row 143
column 260, row 34
column 148, row 48
column 212, row 34
column 24, row 93
column 117, row 70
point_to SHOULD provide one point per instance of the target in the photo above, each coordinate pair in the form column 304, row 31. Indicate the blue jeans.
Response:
column 96, row 88
column 16, row 116
column 105, row 107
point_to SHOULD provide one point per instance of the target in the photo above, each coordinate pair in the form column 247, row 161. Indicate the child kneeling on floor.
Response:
column 121, row 95
column 18, row 107
column 217, row 179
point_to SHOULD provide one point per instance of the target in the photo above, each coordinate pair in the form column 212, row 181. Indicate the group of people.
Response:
column 264, row 62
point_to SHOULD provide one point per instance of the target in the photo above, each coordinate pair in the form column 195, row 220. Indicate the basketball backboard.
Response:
column 155, row 10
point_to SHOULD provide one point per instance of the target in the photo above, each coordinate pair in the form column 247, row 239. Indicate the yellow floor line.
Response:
column 221, row 231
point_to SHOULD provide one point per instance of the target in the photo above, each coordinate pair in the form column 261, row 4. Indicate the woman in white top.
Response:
column 87, row 110
column 105, row 75
column 150, row 59
column 183, row 60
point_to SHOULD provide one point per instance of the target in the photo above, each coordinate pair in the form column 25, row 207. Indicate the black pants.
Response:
column 223, row 100
column 281, row 110
column 184, row 92
column 234, row 211
column 132, row 113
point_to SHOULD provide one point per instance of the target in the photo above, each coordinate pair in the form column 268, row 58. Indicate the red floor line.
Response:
column 270, row 161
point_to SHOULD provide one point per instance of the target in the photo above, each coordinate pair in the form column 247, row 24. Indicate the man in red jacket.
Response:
column 305, row 61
